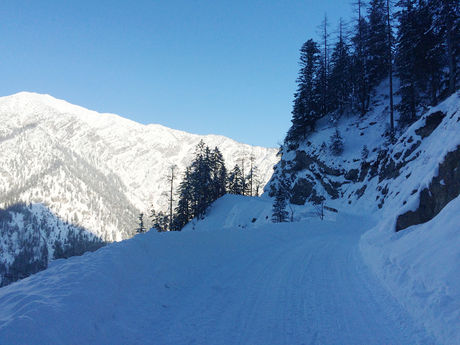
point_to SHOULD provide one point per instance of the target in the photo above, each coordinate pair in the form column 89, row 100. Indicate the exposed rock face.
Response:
column 302, row 161
column 376, row 171
column 352, row 175
column 443, row 188
column 301, row 191
column 432, row 121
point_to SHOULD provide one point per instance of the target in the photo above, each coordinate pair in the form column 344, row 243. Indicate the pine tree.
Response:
column 406, row 62
column 252, row 177
column 184, row 212
column 279, row 214
column 323, row 74
column 160, row 221
column 306, row 108
column 203, row 182
column 446, row 25
column 390, row 67
column 336, row 146
column 141, row 227
column 218, row 174
column 244, row 184
column 377, row 43
column 235, row 181
column 360, row 68
column 340, row 78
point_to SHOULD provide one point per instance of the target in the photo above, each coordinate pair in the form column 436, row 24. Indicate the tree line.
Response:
column 416, row 40
column 204, row 181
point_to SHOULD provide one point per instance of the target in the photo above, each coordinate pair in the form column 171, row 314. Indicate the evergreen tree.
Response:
column 184, row 212
column 340, row 78
column 430, row 51
column 322, row 86
column 204, row 181
column 360, row 68
column 336, row 143
column 406, row 61
column 252, row 177
column 244, row 184
column 446, row 26
column 377, row 43
column 279, row 212
column 306, row 108
column 235, row 181
column 161, row 221
column 141, row 227
column 218, row 174
column 390, row 67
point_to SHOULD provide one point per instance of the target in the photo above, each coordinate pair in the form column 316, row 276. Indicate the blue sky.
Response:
column 220, row 67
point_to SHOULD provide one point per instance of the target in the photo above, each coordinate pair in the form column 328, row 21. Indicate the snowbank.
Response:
column 421, row 268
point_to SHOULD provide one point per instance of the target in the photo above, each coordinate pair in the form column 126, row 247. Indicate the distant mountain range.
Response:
column 97, row 171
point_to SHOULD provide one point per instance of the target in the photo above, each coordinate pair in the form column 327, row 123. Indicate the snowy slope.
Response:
column 96, row 170
column 31, row 236
column 420, row 266
column 294, row 283
column 411, row 186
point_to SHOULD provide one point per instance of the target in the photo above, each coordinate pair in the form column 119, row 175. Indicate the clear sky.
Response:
column 220, row 67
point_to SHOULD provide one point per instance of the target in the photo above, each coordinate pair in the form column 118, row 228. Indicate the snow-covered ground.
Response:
column 245, row 283
column 236, row 278
column 421, row 268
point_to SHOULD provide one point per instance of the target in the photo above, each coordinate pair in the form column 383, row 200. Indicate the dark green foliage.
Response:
column 218, row 174
column 279, row 212
column 377, row 43
column 340, row 82
column 141, row 227
column 306, row 109
column 160, row 221
column 426, row 56
column 446, row 27
column 427, row 47
column 336, row 145
column 408, row 61
column 235, row 181
column 204, row 181
column 360, row 80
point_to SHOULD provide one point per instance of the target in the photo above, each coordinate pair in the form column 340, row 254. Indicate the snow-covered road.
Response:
column 297, row 283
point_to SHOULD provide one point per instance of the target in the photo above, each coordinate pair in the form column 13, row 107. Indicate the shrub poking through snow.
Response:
column 336, row 146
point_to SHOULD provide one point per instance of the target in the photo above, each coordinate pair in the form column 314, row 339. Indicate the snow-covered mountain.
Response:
column 97, row 171
column 77, row 161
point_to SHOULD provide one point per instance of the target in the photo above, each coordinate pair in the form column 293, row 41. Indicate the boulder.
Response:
column 442, row 189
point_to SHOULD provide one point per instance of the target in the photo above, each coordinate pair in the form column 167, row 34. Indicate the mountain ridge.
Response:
column 97, row 171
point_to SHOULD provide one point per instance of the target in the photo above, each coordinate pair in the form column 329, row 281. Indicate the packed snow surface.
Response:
column 421, row 267
column 294, row 283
